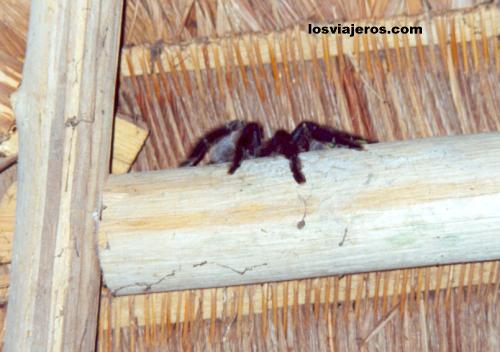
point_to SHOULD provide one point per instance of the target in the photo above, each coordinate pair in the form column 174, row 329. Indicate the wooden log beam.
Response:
column 396, row 205
column 64, row 110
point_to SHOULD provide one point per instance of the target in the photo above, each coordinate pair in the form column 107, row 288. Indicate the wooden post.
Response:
column 396, row 205
column 64, row 111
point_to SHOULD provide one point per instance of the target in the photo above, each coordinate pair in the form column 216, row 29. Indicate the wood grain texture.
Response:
column 128, row 140
column 396, row 205
column 64, row 109
column 126, row 146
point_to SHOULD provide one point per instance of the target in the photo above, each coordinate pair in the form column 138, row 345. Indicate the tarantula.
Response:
column 239, row 140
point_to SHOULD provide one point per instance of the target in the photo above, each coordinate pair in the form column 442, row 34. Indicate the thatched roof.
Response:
column 149, row 21
column 188, row 66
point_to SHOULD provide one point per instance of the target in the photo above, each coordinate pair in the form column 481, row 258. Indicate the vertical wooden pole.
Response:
column 64, row 111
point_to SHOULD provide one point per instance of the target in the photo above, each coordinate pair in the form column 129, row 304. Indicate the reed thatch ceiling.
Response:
column 178, row 21
column 381, row 88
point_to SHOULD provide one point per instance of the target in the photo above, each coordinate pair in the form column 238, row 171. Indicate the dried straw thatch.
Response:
column 189, row 66
column 394, row 89
column 149, row 21
column 380, row 310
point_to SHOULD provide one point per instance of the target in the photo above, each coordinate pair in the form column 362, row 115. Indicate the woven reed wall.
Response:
column 387, row 89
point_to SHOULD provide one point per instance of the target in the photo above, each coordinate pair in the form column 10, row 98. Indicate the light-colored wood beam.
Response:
column 396, row 205
column 128, row 140
column 64, row 111
column 127, row 143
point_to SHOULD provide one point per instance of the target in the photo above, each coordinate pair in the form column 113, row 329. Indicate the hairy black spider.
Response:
column 238, row 140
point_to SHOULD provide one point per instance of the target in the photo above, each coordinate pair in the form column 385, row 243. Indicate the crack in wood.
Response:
column 200, row 264
column 61, row 252
column 85, row 329
column 341, row 243
column 147, row 286
column 76, row 248
column 241, row 272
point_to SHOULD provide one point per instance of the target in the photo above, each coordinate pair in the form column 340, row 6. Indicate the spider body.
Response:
column 248, row 145
column 223, row 140
column 238, row 140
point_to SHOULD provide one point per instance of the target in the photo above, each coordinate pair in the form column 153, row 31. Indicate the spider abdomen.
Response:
column 223, row 151
column 238, row 140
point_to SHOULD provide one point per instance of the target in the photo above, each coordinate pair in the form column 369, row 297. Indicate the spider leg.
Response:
column 307, row 130
column 247, row 145
column 212, row 137
column 282, row 143
column 296, row 167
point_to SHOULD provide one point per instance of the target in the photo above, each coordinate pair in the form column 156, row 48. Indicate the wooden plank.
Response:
column 64, row 110
column 129, row 139
column 7, row 220
column 7, row 162
column 396, row 205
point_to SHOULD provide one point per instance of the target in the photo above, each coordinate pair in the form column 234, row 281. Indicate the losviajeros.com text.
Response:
column 353, row 29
